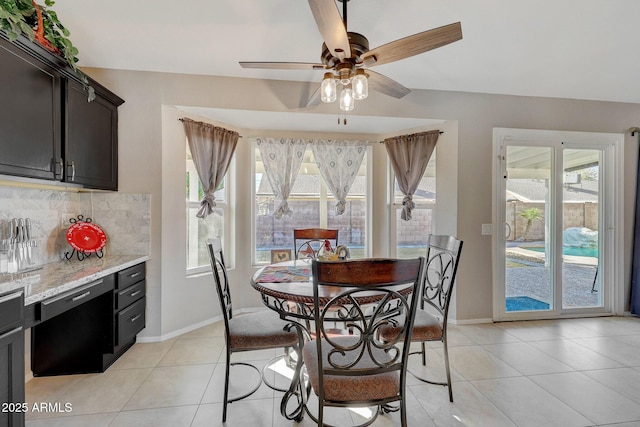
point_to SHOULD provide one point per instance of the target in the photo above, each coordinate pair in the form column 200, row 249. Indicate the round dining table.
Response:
column 287, row 288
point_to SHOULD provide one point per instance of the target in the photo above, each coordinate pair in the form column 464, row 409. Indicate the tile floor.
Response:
column 576, row 372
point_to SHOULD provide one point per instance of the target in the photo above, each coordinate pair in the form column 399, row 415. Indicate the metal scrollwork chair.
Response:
column 443, row 255
column 307, row 241
column 359, row 369
column 252, row 331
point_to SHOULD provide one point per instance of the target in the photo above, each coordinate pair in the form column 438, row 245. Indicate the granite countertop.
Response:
column 55, row 278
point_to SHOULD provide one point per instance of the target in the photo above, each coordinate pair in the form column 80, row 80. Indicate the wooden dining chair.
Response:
column 307, row 241
column 443, row 255
column 252, row 331
column 359, row 369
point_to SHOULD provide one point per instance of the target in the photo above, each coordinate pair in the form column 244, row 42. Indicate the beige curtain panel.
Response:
column 212, row 148
column 409, row 155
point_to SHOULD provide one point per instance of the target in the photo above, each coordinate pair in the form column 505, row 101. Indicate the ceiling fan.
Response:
column 346, row 56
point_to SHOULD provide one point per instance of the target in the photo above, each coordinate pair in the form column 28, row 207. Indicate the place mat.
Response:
column 284, row 274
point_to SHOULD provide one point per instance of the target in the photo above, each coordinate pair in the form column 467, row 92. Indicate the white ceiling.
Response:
column 583, row 49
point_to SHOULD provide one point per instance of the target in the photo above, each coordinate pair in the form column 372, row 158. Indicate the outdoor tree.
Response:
column 530, row 214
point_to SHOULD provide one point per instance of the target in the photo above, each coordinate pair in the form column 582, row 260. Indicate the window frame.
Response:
column 324, row 197
column 395, row 206
column 224, row 205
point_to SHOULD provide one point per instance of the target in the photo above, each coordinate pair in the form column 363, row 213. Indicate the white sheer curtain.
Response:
column 409, row 156
column 339, row 162
column 282, row 158
column 212, row 148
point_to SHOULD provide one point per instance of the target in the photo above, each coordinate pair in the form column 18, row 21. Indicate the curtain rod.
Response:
column 182, row 120
column 440, row 132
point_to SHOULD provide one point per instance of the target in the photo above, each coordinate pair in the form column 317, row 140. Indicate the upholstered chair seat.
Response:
column 259, row 330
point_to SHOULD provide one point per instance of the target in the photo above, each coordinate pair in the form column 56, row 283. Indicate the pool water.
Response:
column 568, row 250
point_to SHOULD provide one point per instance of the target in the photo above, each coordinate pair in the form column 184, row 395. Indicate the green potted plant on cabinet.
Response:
column 41, row 25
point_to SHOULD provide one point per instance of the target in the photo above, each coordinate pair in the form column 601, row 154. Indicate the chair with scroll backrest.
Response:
column 307, row 241
column 443, row 254
column 252, row 331
column 358, row 369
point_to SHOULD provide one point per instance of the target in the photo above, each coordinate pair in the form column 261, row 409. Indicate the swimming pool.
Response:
column 569, row 250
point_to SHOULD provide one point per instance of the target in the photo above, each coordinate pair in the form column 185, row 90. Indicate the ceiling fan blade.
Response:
column 383, row 84
column 283, row 65
column 413, row 45
column 331, row 27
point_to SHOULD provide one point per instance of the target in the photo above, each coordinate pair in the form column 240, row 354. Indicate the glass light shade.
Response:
column 347, row 102
column 360, row 85
column 328, row 92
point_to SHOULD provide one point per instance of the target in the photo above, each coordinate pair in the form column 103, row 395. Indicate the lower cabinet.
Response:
column 12, row 359
column 87, row 329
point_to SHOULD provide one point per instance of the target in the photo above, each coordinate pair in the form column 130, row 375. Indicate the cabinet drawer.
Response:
column 130, row 276
column 130, row 295
column 68, row 300
column 131, row 320
column 11, row 310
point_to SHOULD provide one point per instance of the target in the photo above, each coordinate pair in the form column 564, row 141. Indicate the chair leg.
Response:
column 424, row 353
column 226, row 386
column 403, row 411
column 447, row 369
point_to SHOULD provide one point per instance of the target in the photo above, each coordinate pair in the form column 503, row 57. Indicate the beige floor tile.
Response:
column 192, row 351
column 179, row 381
column 177, row 416
column 242, row 379
column 171, row 386
column 529, row 405
column 213, row 330
column 474, row 363
column 258, row 413
column 143, row 355
column 531, row 330
column 105, row 392
column 469, row 408
column 625, row 381
column 47, row 389
column 434, row 369
column 592, row 399
column 605, row 326
column 526, row 359
column 487, row 334
column 575, row 355
column 612, row 348
column 93, row 420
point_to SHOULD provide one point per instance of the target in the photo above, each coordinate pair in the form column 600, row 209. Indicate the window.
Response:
column 313, row 205
column 409, row 238
column 198, row 229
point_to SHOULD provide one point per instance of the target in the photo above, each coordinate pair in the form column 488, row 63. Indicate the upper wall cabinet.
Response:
column 30, row 115
column 91, row 138
column 48, row 129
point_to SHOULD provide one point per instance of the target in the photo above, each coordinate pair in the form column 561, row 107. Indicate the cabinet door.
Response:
column 30, row 116
column 12, row 377
column 91, row 140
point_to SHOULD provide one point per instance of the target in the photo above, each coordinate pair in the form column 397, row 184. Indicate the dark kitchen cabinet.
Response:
column 86, row 329
column 12, row 359
column 48, row 129
column 91, row 138
column 30, row 115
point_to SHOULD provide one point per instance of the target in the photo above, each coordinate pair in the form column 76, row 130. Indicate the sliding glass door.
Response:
column 551, row 257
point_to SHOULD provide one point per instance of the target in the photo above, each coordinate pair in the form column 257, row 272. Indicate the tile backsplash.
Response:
column 125, row 218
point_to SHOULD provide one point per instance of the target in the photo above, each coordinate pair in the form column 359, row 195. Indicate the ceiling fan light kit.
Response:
column 345, row 55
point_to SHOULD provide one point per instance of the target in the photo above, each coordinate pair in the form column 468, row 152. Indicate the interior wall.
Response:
column 142, row 150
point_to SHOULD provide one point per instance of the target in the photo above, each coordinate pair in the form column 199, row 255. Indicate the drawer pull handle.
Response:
column 134, row 275
column 79, row 297
column 10, row 297
column 134, row 318
column 133, row 294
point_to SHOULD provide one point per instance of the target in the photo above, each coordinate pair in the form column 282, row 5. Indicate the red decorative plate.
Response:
column 86, row 237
